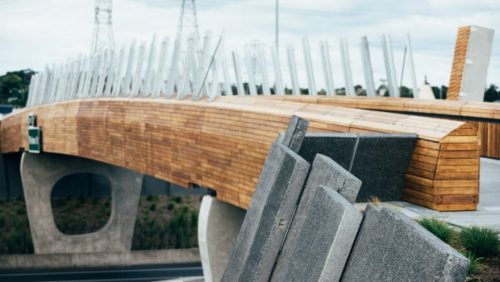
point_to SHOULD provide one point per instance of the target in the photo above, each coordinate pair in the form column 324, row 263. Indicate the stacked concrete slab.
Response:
column 271, row 210
column 316, row 234
column 392, row 247
column 380, row 161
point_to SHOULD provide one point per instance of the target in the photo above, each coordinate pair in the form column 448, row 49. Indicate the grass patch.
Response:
column 475, row 265
column 440, row 229
column 482, row 242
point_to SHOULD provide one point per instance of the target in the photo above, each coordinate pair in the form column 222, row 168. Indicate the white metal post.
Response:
column 309, row 67
column 185, row 79
column 367, row 67
column 225, row 69
column 138, row 82
column 327, row 68
column 392, row 64
column 127, row 84
column 159, row 81
column 237, row 72
column 411, row 65
column 278, row 86
column 346, row 66
column 117, row 75
column 251, row 78
column 292, row 66
column 266, row 90
column 148, row 78
column 173, row 75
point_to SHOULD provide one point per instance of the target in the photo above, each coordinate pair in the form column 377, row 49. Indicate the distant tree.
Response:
column 444, row 92
column 383, row 90
column 437, row 92
column 340, row 91
column 491, row 94
column 358, row 89
column 14, row 87
column 234, row 90
column 405, row 92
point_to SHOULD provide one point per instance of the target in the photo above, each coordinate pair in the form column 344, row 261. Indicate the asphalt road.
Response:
column 142, row 273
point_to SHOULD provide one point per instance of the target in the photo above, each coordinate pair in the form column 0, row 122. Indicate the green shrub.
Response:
column 170, row 206
column 152, row 207
column 475, row 265
column 20, row 210
column 184, row 209
column 480, row 241
column 441, row 229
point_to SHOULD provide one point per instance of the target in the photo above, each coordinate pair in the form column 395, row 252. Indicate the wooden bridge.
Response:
column 222, row 144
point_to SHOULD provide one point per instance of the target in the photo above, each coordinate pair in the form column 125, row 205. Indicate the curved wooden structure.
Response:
column 483, row 116
column 223, row 144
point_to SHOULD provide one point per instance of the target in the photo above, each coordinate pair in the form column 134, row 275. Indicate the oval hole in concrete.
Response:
column 81, row 203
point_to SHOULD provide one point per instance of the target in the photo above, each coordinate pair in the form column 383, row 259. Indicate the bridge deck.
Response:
column 484, row 116
column 223, row 144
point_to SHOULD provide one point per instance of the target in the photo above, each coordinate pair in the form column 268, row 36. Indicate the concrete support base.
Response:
column 218, row 226
column 40, row 173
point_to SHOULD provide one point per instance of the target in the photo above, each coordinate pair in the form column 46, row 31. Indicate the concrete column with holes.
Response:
column 40, row 173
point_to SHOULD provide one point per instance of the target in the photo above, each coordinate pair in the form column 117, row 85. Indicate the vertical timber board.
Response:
column 459, row 58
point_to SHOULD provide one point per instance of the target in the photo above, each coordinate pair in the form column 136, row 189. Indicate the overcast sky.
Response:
column 34, row 33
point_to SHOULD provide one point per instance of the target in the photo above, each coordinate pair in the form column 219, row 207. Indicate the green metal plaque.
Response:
column 34, row 140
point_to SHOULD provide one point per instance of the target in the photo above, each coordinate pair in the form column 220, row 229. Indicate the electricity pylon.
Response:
column 103, row 37
column 188, row 21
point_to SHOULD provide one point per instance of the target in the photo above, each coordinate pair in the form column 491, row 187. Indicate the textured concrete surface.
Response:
column 295, row 133
column 337, row 146
column 380, row 161
column 40, row 173
column 264, row 227
column 218, row 227
column 392, row 247
column 326, row 172
column 134, row 258
column 329, row 225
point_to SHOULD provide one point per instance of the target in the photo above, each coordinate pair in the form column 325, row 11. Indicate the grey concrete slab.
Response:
column 327, row 230
column 326, row 172
column 392, row 247
column 337, row 146
column 380, row 162
column 264, row 227
column 294, row 135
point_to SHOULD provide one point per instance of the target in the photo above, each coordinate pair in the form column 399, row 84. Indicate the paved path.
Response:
column 488, row 213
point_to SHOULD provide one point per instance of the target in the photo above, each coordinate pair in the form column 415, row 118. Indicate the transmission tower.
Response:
column 103, row 37
column 188, row 21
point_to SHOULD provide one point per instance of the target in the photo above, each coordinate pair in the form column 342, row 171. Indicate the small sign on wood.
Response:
column 34, row 135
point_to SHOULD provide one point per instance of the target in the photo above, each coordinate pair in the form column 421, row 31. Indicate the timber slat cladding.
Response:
column 223, row 144
column 483, row 117
column 459, row 59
